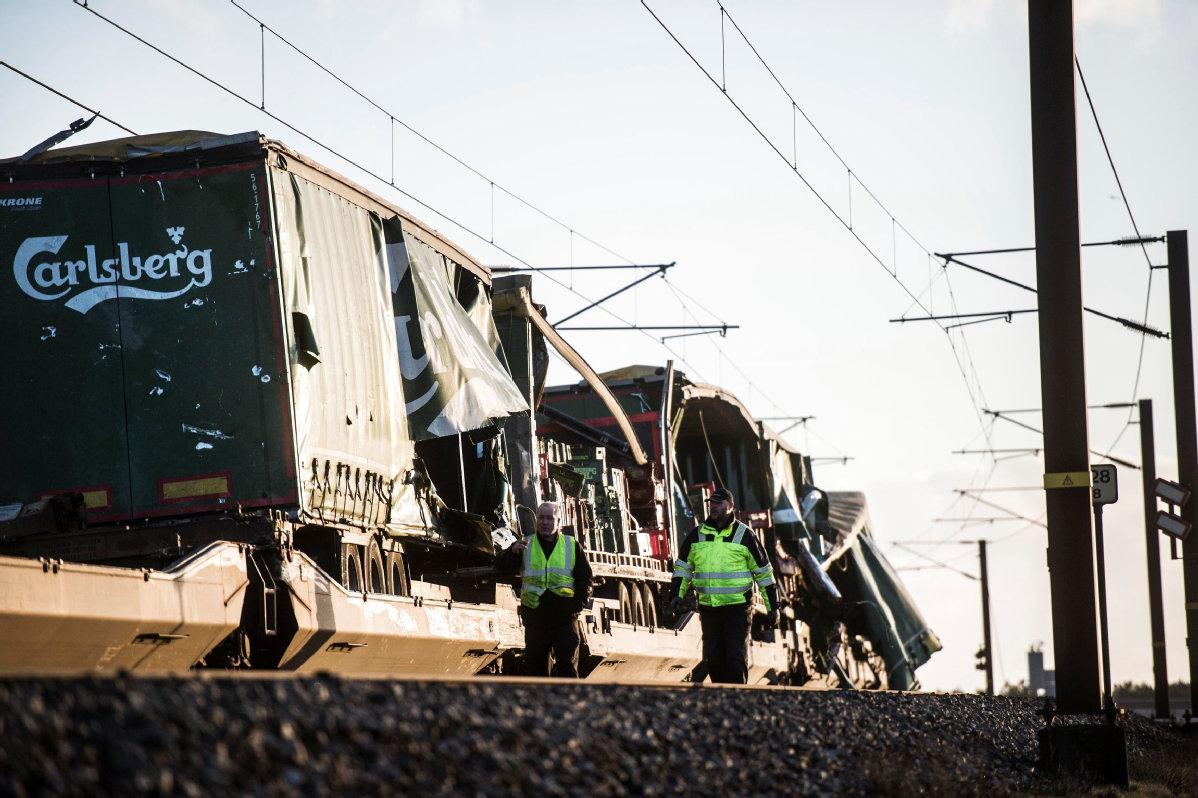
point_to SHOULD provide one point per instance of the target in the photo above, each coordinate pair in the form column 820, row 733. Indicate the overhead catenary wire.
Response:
column 67, row 97
column 392, row 120
column 461, row 225
column 1135, row 389
column 399, row 121
column 366, row 170
column 493, row 185
column 489, row 239
column 846, row 224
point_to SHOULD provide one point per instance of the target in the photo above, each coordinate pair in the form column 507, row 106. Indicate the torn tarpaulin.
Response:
column 452, row 380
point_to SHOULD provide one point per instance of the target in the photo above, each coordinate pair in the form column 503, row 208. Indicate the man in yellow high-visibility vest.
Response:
column 555, row 585
column 723, row 560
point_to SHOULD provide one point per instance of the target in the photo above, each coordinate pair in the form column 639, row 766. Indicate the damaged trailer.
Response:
column 217, row 339
column 305, row 421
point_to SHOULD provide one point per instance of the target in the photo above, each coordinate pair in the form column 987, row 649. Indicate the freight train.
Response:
column 255, row 416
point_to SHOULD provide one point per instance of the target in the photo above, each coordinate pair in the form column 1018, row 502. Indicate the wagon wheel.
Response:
column 638, row 606
column 397, row 576
column 650, row 606
column 375, row 570
column 351, row 567
column 625, row 603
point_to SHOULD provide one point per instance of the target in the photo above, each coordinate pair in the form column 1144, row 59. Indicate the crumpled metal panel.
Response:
column 862, row 573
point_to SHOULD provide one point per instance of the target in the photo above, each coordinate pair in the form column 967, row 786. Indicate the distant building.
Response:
column 1040, row 681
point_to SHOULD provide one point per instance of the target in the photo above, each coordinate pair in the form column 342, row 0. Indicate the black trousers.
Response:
column 558, row 637
column 726, row 642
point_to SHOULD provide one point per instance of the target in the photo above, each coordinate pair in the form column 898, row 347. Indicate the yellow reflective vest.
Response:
column 721, row 568
column 554, row 573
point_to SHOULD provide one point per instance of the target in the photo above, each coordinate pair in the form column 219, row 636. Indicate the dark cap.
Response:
column 721, row 495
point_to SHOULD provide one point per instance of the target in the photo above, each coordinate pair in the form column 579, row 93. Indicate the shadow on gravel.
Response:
column 1162, row 764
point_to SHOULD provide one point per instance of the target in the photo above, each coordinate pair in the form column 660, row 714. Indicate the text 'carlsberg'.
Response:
column 48, row 280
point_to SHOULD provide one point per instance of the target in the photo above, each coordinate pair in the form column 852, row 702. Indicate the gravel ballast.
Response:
column 202, row 736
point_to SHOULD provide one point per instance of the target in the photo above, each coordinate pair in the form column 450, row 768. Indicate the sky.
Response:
column 592, row 113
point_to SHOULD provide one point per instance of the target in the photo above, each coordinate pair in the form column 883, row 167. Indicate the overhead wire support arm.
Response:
column 1117, row 242
column 974, row 520
column 948, row 327
column 512, row 269
column 1128, row 323
column 795, row 421
column 1002, row 489
column 1105, row 406
column 1001, row 509
column 994, row 314
column 1030, row 428
column 722, row 332
column 708, row 327
column 660, row 270
column 935, row 562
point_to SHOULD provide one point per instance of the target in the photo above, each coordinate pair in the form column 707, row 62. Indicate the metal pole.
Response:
column 1062, row 363
column 986, row 642
column 1103, row 629
column 1187, row 432
column 462, row 472
column 1156, row 611
column 667, row 457
column 1062, row 366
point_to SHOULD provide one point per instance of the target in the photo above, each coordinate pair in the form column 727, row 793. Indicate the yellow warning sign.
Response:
column 1067, row 479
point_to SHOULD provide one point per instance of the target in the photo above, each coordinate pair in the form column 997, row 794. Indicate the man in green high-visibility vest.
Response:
column 555, row 585
column 723, row 560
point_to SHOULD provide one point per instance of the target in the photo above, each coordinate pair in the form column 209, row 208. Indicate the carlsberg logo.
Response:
column 91, row 280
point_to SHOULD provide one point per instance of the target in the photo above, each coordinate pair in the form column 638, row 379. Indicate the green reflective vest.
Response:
column 721, row 568
column 555, row 574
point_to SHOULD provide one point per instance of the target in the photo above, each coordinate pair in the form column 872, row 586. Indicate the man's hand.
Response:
column 520, row 545
column 675, row 605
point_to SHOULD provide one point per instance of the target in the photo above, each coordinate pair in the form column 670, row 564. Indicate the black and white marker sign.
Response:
column 1104, row 482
